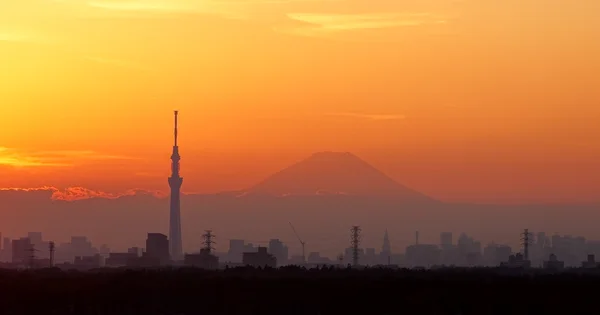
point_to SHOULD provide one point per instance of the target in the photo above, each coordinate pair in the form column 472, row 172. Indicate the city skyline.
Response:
column 326, row 185
column 443, row 96
column 444, row 151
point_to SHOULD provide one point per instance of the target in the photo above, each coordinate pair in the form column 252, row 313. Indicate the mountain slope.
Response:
column 335, row 173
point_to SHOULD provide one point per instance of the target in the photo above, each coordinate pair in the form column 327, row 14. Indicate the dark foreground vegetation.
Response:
column 298, row 291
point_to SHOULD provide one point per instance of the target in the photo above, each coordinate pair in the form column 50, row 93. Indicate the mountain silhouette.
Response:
column 331, row 173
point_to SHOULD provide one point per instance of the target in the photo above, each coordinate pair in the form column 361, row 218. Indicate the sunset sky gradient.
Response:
column 472, row 100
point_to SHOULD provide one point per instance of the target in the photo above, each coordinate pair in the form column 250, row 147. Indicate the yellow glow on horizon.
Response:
column 464, row 85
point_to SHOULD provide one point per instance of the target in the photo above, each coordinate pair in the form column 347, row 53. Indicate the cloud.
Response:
column 324, row 24
column 369, row 116
column 11, row 157
column 20, row 158
column 81, row 193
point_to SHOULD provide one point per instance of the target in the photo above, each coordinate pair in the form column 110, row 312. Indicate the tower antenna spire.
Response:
column 175, row 134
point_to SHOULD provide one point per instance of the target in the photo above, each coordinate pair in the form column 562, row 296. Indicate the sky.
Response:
column 466, row 101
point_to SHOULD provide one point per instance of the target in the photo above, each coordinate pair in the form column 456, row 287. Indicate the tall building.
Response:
column 386, row 247
column 21, row 250
column 35, row 238
column 157, row 246
column 279, row 250
column 175, row 181
column 385, row 255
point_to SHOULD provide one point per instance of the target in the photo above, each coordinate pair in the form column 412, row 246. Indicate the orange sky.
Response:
column 463, row 100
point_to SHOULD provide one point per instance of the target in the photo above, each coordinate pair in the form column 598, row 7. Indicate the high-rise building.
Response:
column 386, row 247
column 385, row 255
column 175, row 181
column 157, row 246
column 21, row 250
column 279, row 250
column 35, row 238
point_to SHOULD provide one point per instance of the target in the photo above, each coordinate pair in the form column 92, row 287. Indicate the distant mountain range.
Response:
column 335, row 173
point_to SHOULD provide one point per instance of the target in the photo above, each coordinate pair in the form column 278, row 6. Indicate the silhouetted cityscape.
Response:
column 537, row 250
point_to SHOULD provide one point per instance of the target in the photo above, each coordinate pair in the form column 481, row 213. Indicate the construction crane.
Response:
column 301, row 243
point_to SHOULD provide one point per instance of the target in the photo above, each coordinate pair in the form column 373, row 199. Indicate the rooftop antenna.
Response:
column 301, row 243
column 175, row 133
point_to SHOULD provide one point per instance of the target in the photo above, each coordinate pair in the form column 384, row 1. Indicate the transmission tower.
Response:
column 208, row 241
column 51, row 249
column 526, row 241
column 32, row 251
column 355, row 241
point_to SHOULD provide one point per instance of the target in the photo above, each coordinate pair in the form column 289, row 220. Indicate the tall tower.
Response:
column 175, row 182
column 387, row 247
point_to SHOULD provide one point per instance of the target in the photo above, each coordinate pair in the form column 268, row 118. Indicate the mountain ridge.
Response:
column 335, row 173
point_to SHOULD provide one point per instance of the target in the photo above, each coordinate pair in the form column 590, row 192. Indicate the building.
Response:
column 79, row 246
column 21, row 250
column 35, row 237
column 261, row 258
column 157, row 247
column 422, row 255
column 385, row 256
column 517, row 261
column 135, row 250
column 279, row 250
column 175, row 181
column 236, row 250
column 553, row 263
column 6, row 254
column 204, row 260
column 590, row 263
